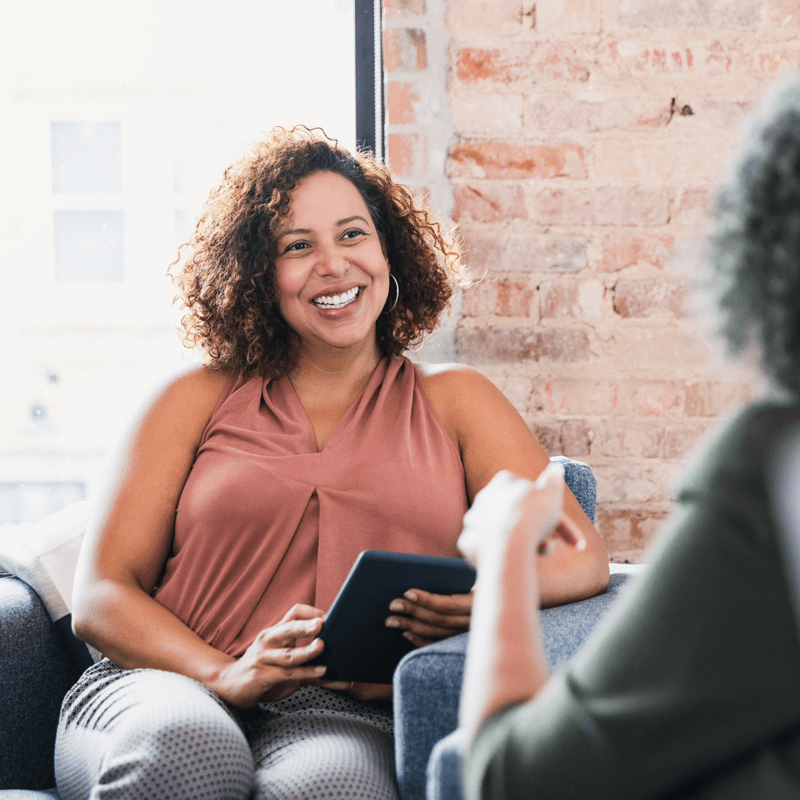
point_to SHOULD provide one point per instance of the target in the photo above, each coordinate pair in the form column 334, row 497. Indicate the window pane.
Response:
column 185, row 222
column 86, row 157
column 35, row 501
column 201, row 153
column 215, row 76
column 88, row 245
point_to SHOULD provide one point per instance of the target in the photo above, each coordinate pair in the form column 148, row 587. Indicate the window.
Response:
column 124, row 117
column 87, row 173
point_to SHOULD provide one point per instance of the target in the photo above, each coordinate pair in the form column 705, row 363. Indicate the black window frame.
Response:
column 370, row 92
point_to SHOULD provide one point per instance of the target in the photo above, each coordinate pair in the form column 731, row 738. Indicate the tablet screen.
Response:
column 358, row 645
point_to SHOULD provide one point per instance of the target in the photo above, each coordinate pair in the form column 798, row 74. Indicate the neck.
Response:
column 341, row 370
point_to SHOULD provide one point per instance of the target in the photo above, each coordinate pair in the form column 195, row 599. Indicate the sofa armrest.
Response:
column 582, row 483
column 427, row 682
column 35, row 673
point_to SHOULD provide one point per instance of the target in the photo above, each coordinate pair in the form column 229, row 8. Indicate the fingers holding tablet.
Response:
column 425, row 617
column 360, row 645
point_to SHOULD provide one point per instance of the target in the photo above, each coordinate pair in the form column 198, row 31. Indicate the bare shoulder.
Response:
column 452, row 384
column 178, row 410
column 463, row 398
column 451, row 377
column 194, row 390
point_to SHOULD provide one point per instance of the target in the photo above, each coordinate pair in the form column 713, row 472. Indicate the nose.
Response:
column 331, row 262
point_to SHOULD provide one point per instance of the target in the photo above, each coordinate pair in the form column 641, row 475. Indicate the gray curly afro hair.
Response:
column 755, row 238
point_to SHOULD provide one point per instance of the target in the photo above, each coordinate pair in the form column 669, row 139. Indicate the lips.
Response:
column 337, row 300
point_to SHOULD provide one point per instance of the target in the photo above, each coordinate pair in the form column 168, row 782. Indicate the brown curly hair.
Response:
column 227, row 283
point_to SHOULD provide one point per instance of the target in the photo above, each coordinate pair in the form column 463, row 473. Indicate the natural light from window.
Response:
column 118, row 119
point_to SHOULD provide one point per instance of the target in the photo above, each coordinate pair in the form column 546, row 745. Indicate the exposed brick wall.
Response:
column 585, row 138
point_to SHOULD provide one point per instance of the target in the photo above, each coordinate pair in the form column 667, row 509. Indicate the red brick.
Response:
column 628, row 533
column 693, row 208
column 578, row 299
column 635, row 484
column 404, row 49
column 626, row 438
column 576, row 438
column 510, row 160
column 525, row 252
column 643, row 158
column 517, row 388
column 632, row 58
column 403, row 8
column 782, row 14
column 549, row 436
column 774, row 60
column 489, row 203
column 402, row 99
column 493, row 345
column 574, row 396
column 721, row 112
column 571, row 438
column 567, row 16
column 711, row 398
column 608, row 205
column 530, row 63
column 486, row 114
column 645, row 298
column 408, row 153
column 622, row 251
column 662, row 351
column 556, row 113
column 651, row 398
column 488, row 17
column 503, row 297
column 739, row 14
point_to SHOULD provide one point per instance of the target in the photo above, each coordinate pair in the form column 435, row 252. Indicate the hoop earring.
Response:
column 396, row 294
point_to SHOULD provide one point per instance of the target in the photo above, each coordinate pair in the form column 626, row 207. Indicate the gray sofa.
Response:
column 427, row 685
column 38, row 665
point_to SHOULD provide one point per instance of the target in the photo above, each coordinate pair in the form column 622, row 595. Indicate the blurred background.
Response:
column 117, row 120
column 577, row 144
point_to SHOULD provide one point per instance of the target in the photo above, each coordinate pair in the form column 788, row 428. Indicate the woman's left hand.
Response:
column 425, row 618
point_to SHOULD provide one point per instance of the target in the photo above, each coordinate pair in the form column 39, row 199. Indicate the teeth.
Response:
column 337, row 300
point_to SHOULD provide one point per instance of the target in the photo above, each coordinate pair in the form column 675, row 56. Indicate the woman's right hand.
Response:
column 274, row 666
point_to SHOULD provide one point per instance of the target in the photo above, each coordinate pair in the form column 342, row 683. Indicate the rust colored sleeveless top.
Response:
column 266, row 521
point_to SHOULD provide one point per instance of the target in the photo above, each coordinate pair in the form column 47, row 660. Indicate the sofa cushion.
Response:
column 44, row 555
column 564, row 630
column 36, row 671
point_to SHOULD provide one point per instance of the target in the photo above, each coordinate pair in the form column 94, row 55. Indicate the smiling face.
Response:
column 331, row 269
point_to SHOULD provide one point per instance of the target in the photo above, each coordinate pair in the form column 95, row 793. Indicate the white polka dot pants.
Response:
column 148, row 735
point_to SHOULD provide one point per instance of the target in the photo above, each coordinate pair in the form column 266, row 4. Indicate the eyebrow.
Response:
column 345, row 221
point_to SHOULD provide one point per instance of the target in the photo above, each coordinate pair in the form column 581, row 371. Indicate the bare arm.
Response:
column 129, row 541
column 503, row 534
column 492, row 436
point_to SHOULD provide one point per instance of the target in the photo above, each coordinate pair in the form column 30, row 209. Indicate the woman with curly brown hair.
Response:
column 248, row 488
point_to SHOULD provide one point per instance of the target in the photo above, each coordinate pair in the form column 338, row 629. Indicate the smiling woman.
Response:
column 332, row 273
column 269, row 212
column 247, row 489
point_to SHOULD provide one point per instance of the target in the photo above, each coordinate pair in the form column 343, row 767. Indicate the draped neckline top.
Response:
column 265, row 520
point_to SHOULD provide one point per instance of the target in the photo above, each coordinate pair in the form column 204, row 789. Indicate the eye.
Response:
column 353, row 233
column 295, row 247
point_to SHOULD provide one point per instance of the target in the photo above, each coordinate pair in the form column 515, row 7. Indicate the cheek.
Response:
column 288, row 283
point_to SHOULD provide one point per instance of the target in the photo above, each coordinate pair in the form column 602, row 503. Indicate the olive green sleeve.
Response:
column 695, row 666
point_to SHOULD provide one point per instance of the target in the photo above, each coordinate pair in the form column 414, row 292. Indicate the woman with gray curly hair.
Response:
column 691, row 689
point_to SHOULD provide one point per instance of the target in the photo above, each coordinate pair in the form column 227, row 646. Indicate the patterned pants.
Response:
column 148, row 735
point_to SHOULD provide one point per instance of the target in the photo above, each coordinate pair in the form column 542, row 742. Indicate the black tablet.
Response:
column 358, row 645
